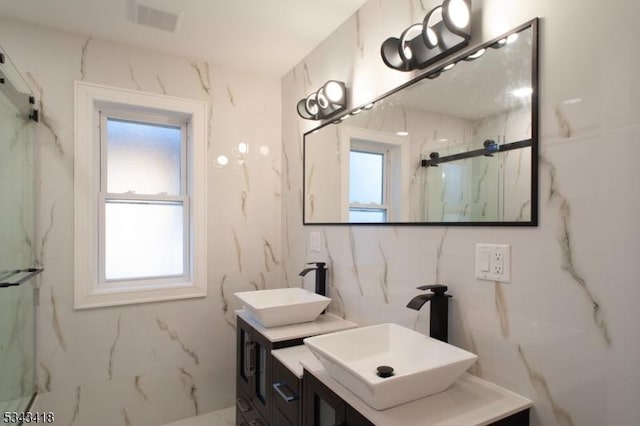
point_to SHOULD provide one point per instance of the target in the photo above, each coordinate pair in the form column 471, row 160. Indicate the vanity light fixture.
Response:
column 444, row 30
column 330, row 99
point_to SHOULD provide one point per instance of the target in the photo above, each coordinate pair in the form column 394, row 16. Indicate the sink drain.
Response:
column 385, row 371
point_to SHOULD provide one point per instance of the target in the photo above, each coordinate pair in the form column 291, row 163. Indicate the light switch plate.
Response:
column 493, row 262
column 315, row 241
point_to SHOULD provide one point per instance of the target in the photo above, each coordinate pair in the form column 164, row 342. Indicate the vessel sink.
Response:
column 422, row 366
column 283, row 306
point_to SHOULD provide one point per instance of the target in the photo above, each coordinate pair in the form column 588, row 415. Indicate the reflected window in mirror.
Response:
column 367, row 186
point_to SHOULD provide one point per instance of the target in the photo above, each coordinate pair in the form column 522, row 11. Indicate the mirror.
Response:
column 455, row 146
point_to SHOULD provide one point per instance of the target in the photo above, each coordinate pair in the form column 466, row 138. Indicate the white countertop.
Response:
column 294, row 357
column 325, row 323
column 470, row 401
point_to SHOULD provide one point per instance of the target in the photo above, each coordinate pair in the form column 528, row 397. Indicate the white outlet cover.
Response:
column 499, row 257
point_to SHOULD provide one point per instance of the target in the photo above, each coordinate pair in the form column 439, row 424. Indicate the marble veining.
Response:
column 567, row 252
column 83, row 57
column 245, row 172
column 501, row 309
column 230, row 96
column 203, row 76
column 45, row 237
column 189, row 384
column 45, row 378
column 139, row 388
column 225, row 302
column 269, row 256
column 439, row 254
column 243, row 203
column 354, row 259
column 173, row 335
column 285, row 157
column 163, row 89
column 236, row 241
column 563, row 123
column 125, row 416
column 307, row 78
column 540, row 385
column 132, row 75
column 76, row 409
column 359, row 41
column 523, row 209
column 384, row 277
column 480, row 183
column 113, row 348
column 55, row 322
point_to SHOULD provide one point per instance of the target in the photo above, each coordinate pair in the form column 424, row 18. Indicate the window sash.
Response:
column 132, row 198
column 368, row 147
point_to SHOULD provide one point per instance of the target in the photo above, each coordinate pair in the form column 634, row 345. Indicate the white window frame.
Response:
column 396, row 149
column 90, row 290
column 368, row 147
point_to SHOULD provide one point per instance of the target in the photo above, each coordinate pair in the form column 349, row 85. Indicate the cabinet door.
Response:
column 246, row 355
column 261, row 392
column 322, row 407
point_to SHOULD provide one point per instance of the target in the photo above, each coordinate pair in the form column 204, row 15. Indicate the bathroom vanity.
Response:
column 257, row 371
column 281, row 383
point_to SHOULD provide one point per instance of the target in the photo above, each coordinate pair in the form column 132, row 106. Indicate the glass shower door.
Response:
column 17, row 260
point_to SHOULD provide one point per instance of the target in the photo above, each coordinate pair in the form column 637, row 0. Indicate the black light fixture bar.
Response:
column 488, row 151
column 423, row 44
column 8, row 278
column 326, row 102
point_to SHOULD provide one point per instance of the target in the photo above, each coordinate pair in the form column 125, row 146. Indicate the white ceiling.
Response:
column 263, row 36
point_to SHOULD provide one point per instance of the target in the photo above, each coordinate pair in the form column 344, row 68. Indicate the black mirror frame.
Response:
column 432, row 72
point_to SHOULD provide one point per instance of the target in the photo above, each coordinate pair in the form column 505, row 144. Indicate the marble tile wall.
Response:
column 564, row 332
column 151, row 363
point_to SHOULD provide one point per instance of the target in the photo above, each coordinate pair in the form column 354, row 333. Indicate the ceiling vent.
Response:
column 156, row 18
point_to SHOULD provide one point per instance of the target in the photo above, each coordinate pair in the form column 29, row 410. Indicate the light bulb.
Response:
column 334, row 91
column 459, row 13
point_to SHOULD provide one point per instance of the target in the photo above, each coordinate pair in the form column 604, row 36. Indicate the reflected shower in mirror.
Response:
column 457, row 145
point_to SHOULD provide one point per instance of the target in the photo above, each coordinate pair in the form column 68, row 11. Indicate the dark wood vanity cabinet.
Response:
column 269, row 393
column 252, row 375
column 258, row 395
column 322, row 407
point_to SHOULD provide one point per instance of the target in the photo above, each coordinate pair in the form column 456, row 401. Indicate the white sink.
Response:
column 283, row 306
column 422, row 366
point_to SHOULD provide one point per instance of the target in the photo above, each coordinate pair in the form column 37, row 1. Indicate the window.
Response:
column 374, row 183
column 140, row 163
column 368, row 187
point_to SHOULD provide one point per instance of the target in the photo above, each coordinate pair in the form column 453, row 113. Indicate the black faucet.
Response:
column 439, row 319
column 321, row 276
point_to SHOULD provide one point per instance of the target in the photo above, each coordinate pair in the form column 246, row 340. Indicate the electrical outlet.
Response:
column 493, row 262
